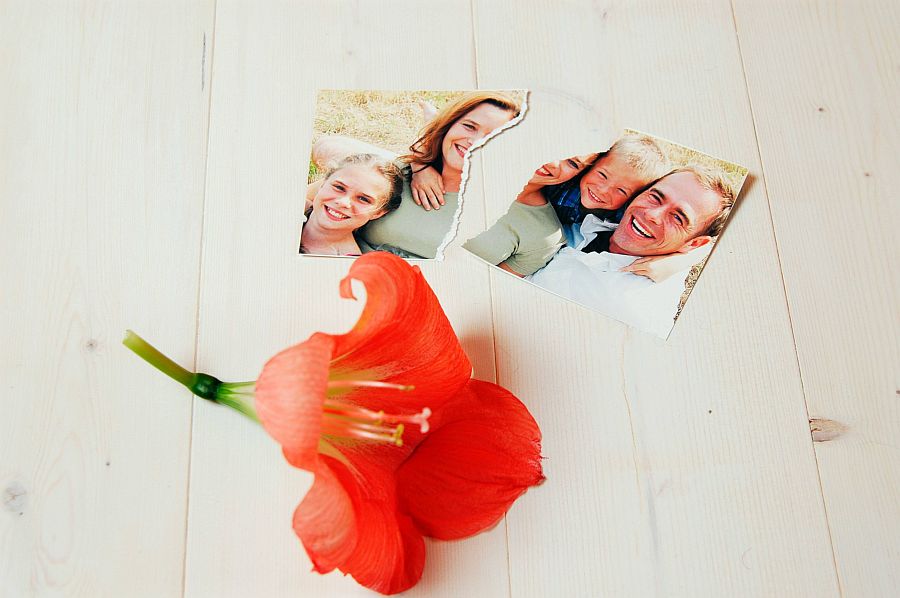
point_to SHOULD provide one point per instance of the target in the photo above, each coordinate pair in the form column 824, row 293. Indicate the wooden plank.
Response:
column 101, row 187
column 676, row 468
column 258, row 296
column 829, row 140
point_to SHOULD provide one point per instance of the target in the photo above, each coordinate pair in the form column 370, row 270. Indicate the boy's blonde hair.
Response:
column 643, row 154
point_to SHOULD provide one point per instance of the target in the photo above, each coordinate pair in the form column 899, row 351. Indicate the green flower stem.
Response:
column 151, row 355
column 237, row 395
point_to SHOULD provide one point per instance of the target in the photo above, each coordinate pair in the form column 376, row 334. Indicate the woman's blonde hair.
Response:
column 427, row 148
column 390, row 171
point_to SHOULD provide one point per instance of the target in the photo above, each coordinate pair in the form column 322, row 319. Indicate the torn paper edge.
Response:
column 467, row 161
column 629, row 326
column 454, row 225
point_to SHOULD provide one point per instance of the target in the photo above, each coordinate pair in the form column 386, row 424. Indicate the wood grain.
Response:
column 152, row 159
column 673, row 468
column 268, row 64
column 102, row 152
column 829, row 140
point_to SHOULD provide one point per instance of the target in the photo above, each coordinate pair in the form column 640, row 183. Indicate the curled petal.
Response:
column 390, row 554
column 325, row 521
column 349, row 520
column 484, row 452
column 402, row 337
column 290, row 393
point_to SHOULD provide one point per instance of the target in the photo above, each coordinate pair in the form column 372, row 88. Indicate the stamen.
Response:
column 336, row 384
column 352, row 421
column 330, row 429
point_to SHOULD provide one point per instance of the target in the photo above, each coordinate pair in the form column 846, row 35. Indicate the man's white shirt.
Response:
column 594, row 280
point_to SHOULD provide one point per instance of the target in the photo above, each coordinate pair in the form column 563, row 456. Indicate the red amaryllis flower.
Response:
column 401, row 441
column 338, row 405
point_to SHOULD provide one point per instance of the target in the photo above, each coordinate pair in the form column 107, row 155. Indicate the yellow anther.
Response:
column 398, row 435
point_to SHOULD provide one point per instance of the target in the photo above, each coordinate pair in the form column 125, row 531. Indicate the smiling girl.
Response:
column 361, row 188
column 432, row 173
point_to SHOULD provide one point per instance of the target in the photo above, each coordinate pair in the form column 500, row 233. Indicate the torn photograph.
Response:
column 624, row 232
column 388, row 168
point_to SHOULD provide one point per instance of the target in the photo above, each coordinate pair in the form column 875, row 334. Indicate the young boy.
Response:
column 632, row 163
column 548, row 214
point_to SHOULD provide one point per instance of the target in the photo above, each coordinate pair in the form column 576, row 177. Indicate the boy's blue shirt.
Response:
column 566, row 201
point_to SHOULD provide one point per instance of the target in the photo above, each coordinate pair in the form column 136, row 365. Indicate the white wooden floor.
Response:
column 152, row 160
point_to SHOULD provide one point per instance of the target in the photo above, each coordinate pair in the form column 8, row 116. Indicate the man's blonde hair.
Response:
column 712, row 181
column 642, row 154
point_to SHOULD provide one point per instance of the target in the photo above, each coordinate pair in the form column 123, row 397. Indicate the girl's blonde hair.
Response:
column 427, row 148
column 390, row 171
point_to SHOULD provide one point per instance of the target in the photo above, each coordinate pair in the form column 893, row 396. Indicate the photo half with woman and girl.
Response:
column 624, row 231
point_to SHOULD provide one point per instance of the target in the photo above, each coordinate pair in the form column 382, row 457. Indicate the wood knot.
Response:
column 14, row 497
column 824, row 430
column 90, row 346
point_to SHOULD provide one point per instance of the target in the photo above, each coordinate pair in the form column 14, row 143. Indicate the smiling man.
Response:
column 680, row 212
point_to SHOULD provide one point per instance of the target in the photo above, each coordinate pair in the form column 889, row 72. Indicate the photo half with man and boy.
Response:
column 624, row 231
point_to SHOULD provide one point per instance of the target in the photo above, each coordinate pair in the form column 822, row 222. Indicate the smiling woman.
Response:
column 361, row 188
column 432, row 166
column 415, row 230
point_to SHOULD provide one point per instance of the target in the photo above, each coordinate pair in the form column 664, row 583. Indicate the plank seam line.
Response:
column 490, row 274
column 187, row 507
column 474, row 47
column 787, row 302
column 497, row 381
column 634, row 447
column 490, row 285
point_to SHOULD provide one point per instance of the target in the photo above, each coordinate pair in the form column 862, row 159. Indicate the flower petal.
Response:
column 290, row 392
column 349, row 520
column 390, row 554
column 483, row 453
column 325, row 520
column 402, row 337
